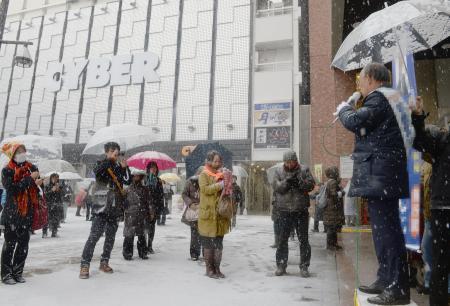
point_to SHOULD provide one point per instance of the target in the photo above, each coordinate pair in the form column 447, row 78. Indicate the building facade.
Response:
column 200, row 90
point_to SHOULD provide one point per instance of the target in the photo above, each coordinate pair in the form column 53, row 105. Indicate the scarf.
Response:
column 25, row 197
column 218, row 176
column 152, row 179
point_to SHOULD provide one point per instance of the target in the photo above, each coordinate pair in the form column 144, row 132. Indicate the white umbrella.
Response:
column 136, row 171
column 67, row 176
column 239, row 171
column 410, row 26
column 39, row 147
column 55, row 165
column 128, row 136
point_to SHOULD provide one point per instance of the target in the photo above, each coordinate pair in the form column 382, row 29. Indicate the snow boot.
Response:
column 104, row 267
column 84, row 272
column 209, row 263
column 280, row 271
column 217, row 261
column 304, row 273
column 19, row 279
column 9, row 280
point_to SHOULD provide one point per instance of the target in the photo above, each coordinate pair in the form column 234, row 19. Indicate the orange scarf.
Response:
column 31, row 194
column 218, row 176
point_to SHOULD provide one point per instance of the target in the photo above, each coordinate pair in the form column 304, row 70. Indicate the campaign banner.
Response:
column 404, row 82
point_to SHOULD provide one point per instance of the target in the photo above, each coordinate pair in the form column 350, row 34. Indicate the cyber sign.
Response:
column 100, row 72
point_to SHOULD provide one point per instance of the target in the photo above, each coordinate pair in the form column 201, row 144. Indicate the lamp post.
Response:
column 23, row 57
column 3, row 14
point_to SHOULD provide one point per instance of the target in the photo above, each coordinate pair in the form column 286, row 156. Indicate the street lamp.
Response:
column 23, row 58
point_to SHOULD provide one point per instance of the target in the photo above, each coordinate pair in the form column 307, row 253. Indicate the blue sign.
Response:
column 404, row 81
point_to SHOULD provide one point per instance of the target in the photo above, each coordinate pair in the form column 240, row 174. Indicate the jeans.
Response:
column 195, row 241
column 440, row 221
column 151, row 233
column 65, row 206
column 14, row 252
column 389, row 244
column 88, row 210
column 78, row 211
column 332, row 236
column 288, row 221
column 128, row 246
column 276, row 230
column 100, row 223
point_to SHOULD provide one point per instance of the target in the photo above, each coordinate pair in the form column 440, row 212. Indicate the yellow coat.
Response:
column 210, row 223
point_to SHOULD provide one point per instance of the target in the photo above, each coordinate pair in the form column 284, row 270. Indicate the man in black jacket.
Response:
column 108, row 206
column 291, row 185
column 437, row 146
column 380, row 175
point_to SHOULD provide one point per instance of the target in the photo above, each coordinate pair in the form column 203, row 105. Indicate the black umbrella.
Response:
column 198, row 156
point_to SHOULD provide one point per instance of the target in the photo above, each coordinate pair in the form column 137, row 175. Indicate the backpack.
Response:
column 321, row 199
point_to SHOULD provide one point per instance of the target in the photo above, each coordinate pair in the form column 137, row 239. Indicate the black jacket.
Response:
column 437, row 146
column 291, row 189
column 380, row 166
column 238, row 197
column 137, row 210
column 157, row 196
column 114, row 205
column 53, row 198
column 10, row 214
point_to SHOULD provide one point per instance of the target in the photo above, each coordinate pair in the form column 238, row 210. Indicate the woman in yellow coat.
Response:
column 211, row 226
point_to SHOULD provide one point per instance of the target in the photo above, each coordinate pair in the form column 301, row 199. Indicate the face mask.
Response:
column 20, row 158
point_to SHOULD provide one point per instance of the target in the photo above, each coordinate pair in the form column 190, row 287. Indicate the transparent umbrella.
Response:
column 128, row 136
column 55, row 165
column 39, row 147
column 407, row 27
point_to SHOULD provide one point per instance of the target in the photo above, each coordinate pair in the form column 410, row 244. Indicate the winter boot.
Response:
column 280, row 271
column 84, row 272
column 304, row 272
column 209, row 263
column 9, row 280
column 19, row 279
column 217, row 261
column 104, row 267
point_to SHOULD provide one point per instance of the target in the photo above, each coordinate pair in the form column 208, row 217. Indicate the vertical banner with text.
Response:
column 404, row 81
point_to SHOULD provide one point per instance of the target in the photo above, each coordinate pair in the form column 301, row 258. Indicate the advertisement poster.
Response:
column 403, row 80
column 272, row 123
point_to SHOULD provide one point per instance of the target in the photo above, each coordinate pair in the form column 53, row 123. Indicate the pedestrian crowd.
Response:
column 213, row 198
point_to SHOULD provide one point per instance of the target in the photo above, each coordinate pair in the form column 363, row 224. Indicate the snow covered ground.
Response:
column 169, row 277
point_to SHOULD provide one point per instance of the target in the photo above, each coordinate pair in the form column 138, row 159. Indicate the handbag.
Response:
column 322, row 197
column 225, row 207
column 190, row 214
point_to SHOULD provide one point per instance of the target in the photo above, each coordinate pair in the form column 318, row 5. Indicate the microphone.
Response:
column 351, row 101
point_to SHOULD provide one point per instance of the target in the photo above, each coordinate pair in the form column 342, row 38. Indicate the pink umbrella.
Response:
column 141, row 160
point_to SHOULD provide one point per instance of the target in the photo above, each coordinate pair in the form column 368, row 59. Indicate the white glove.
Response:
column 340, row 107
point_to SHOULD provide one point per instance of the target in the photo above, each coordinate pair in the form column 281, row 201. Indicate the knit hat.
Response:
column 290, row 155
column 10, row 148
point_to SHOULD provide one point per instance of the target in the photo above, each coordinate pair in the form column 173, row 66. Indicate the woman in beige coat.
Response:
column 211, row 226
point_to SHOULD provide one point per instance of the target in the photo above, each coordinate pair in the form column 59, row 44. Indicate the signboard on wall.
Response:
column 273, row 137
column 272, row 114
column 346, row 166
column 100, row 72
column 272, row 125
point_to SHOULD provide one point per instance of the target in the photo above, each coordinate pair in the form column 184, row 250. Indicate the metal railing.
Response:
column 275, row 11
column 274, row 66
